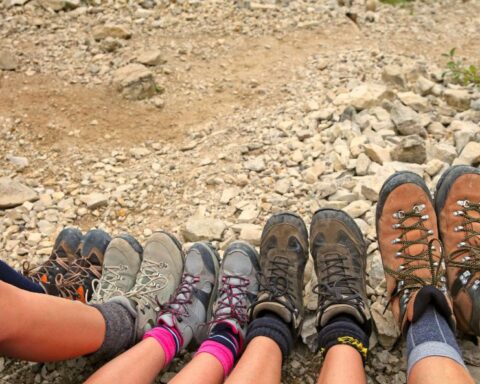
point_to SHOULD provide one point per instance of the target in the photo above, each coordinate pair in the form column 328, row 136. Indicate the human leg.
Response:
column 45, row 328
column 334, row 366
column 262, row 358
column 12, row 277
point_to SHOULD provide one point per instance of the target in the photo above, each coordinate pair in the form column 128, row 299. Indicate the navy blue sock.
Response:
column 11, row 276
column 222, row 333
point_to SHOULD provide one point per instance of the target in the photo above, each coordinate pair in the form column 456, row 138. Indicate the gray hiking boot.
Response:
column 159, row 275
column 120, row 267
column 339, row 253
column 237, row 286
column 283, row 256
column 191, row 306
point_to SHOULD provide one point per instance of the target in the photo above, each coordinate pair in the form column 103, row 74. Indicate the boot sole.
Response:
column 394, row 181
column 447, row 180
column 328, row 213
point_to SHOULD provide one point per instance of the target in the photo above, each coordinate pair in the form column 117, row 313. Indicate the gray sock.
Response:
column 431, row 335
column 119, row 333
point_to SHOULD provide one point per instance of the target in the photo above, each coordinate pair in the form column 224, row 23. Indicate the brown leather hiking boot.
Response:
column 77, row 283
column 62, row 256
column 283, row 256
column 411, row 253
column 339, row 253
column 457, row 202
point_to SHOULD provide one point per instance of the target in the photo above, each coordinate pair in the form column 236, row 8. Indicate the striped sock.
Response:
column 224, row 344
column 169, row 339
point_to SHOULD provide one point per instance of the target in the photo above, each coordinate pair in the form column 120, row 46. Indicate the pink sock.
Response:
column 169, row 339
column 220, row 352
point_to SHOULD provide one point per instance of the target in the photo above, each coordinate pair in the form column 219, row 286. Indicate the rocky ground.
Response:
column 204, row 117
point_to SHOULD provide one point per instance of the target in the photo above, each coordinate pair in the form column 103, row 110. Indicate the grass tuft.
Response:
column 459, row 73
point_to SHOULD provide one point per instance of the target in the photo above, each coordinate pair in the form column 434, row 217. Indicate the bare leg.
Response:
column 338, row 358
column 204, row 368
column 439, row 370
column 140, row 364
column 261, row 362
column 39, row 327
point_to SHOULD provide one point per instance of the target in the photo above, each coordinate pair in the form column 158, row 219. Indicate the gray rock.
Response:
column 424, row 85
column 362, row 165
column 417, row 102
column 134, row 82
column 457, row 98
column 12, row 3
column 60, row 5
column 13, row 193
column 444, row 152
column 203, row 228
column 411, row 149
column 228, row 194
column 110, row 44
column 18, row 161
column 94, row 200
column 251, row 233
column 434, row 166
column 375, row 269
column 377, row 153
column 385, row 324
column 470, row 155
column 394, row 75
column 282, row 186
column 325, row 189
column 8, row 62
column 357, row 208
column 370, row 187
column 257, row 164
column 364, row 96
column 406, row 120
column 475, row 105
column 153, row 57
column 101, row 32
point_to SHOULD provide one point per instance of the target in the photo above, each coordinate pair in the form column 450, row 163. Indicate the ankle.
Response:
column 344, row 330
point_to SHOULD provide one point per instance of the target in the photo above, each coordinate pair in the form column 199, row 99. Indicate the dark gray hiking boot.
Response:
column 237, row 287
column 283, row 256
column 339, row 254
column 191, row 304
column 59, row 262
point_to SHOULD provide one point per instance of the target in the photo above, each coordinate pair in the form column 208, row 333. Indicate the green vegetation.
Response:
column 459, row 73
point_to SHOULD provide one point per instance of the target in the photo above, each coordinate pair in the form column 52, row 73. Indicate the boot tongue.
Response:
column 339, row 309
column 427, row 296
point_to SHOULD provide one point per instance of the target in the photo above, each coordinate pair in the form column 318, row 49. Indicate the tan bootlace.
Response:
column 106, row 287
column 407, row 276
column 36, row 272
column 471, row 260
column 80, row 271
